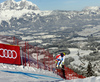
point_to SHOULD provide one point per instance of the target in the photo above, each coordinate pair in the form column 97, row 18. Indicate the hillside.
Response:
column 48, row 27
column 15, row 73
column 73, row 32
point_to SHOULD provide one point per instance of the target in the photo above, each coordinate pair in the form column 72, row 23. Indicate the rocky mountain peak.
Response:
column 23, row 0
column 13, row 5
column 92, row 8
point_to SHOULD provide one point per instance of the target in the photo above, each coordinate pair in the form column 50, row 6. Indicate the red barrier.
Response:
column 70, row 74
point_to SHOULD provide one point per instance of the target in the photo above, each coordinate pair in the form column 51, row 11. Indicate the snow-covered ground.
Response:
column 74, row 52
column 88, row 31
column 13, row 73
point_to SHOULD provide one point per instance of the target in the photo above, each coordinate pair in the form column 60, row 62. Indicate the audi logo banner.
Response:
column 10, row 54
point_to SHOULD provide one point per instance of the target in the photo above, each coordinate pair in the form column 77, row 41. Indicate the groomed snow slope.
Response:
column 13, row 73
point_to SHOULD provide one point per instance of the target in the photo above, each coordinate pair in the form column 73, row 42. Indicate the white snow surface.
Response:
column 88, row 31
column 6, row 13
column 13, row 73
column 92, row 8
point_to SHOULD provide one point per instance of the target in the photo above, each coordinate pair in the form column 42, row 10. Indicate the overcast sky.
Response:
column 63, row 4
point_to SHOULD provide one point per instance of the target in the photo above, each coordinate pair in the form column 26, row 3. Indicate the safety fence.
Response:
column 38, row 57
column 69, row 74
column 32, row 55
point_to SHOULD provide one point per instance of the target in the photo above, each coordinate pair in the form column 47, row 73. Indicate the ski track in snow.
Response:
column 37, row 76
column 14, row 73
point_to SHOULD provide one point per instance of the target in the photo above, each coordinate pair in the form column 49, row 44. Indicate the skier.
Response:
column 60, row 63
column 60, row 59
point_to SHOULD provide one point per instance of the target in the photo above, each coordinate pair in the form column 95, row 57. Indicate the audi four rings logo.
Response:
column 4, row 53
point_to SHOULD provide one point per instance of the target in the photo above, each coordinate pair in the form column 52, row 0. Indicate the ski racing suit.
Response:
column 60, row 59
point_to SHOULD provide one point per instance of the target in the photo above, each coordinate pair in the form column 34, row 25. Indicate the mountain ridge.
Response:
column 13, row 5
column 92, row 8
column 47, row 21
